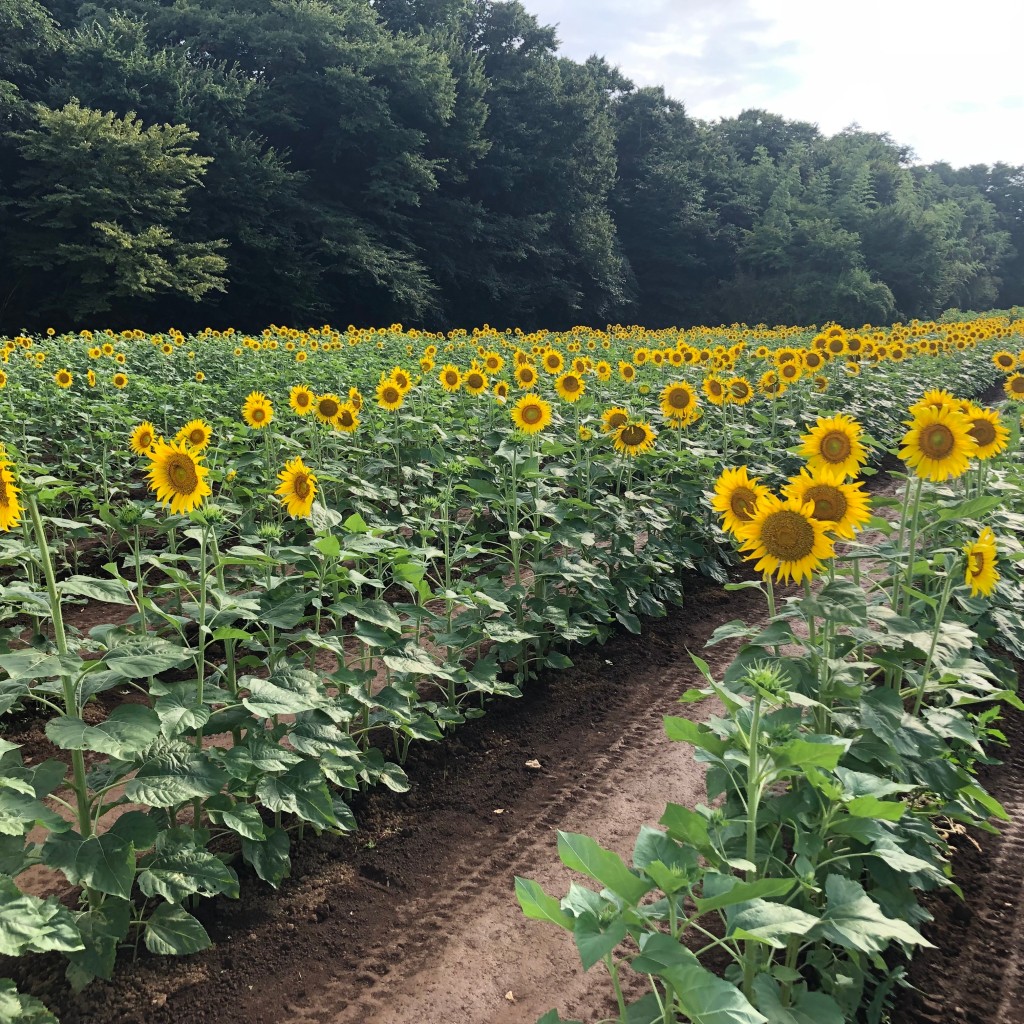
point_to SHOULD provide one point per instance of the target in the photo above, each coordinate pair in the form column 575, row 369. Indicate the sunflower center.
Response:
column 830, row 503
column 715, row 387
column 197, row 437
column 571, row 383
column 302, row 399
column 346, row 418
column 145, row 439
column 835, row 447
column 301, row 486
column 328, row 407
column 983, row 432
column 787, row 536
column 739, row 390
column 632, row 435
column 977, row 560
column 1017, row 385
column 451, row 378
column 742, row 502
column 532, row 414
column 679, row 398
column 259, row 414
column 474, row 380
column 616, row 420
column 181, row 472
column 5, row 497
column 937, row 441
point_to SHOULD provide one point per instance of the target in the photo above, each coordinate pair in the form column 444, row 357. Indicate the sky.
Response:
column 945, row 78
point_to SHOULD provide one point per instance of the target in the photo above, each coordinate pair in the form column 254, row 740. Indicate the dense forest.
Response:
column 437, row 162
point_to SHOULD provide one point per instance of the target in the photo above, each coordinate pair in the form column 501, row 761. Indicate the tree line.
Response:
column 437, row 162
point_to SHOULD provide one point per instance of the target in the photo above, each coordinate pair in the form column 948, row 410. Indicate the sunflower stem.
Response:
column 940, row 613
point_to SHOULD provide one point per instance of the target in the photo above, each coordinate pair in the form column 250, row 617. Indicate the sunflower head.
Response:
column 177, row 476
column 614, row 419
column 842, row 506
column 326, row 407
column 1014, row 387
column 347, row 419
column 10, row 506
column 301, row 399
column 297, row 489
column 678, row 400
column 634, row 438
column 450, row 378
column 196, row 434
column 785, row 538
column 143, row 438
column 475, row 382
column 832, row 447
column 390, row 396
column 63, row 378
column 981, row 574
column 988, row 431
column 570, row 387
column 736, row 496
column 531, row 414
column 257, row 410
column 120, row 381
column 938, row 444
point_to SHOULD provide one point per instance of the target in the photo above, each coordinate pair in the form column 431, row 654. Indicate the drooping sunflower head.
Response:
column 531, row 414
column 450, row 378
column 736, row 496
column 986, row 427
column 257, row 410
column 842, row 506
column 196, row 434
column 938, row 444
column 177, row 476
column 614, row 419
column 10, row 506
column 301, row 399
column 785, row 538
column 634, row 438
column 1014, row 387
column 570, row 387
column 832, row 447
column 120, row 381
column 297, row 489
column 981, row 574
column 63, row 378
column 326, row 407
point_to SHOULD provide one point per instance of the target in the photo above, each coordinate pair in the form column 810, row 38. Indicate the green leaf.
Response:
column 772, row 923
column 551, row 1017
column 175, row 774
column 807, row 1008
column 137, row 828
column 595, row 940
column 269, row 857
column 734, row 891
column 173, row 931
column 379, row 613
column 129, row 730
column 139, row 658
column 853, row 920
column 683, row 730
column 105, row 863
column 329, row 546
column 581, row 853
column 108, row 591
column 242, row 819
column 686, row 825
column 16, row 1008
column 102, row 930
column 179, row 711
column 31, row 925
column 180, row 868
column 800, row 753
column 539, row 906
column 302, row 791
column 267, row 698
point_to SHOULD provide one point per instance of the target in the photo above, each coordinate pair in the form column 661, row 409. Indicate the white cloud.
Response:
column 937, row 75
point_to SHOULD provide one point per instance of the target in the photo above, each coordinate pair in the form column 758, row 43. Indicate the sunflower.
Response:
column 3, row 379
column 347, row 419
column 627, row 371
column 770, row 384
column 177, row 476
column 570, row 387
column 400, row 379
column 10, row 507
column 390, row 396
column 501, row 391
column 531, row 414
column 714, row 388
column 63, row 378
column 301, row 399
column 143, row 437
column 813, row 360
column 832, row 447
column 988, row 431
column 493, row 362
column 449, row 377
column 297, row 489
column 586, row 434
column 981, row 574
column 614, row 419
column 603, row 370
column 736, row 496
column 90, row 378
column 934, row 398
column 552, row 361
column 739, row 390
column 120, row 381
column 1014, row 387
column 785, row 538
column 355, row 396
column 1005, row 361
column 196, row 434
column 678, row 400
column 107, row 349
column 938, row 444
column 526, row 376
column 634, row 438
column 842, row 506
column 257, row 410
column 475, row 382
column 200, row 376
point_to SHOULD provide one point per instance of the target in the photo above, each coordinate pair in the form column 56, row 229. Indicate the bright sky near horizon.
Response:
column 940, row 76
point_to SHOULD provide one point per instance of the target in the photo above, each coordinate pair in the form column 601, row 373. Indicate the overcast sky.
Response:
column 944, row 77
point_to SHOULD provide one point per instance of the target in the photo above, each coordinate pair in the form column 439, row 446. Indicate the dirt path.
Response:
column 414, row 919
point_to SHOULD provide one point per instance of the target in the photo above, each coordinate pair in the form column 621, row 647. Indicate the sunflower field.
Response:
column 243, row 574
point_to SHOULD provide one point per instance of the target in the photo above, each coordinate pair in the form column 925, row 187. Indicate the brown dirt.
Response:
column 414, row 919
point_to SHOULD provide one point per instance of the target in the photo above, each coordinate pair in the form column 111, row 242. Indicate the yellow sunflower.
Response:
column 63, row 378
column 297, row 489
column 714, row 388
column 389, row 395
column 301, row 399
column 449, row 377
column 3, row 379
column 120, row 381
column 736, row 496
column 257, row 410
column 552, row 361
column 614, row 419
column 770, row 384
column 634, row 438
column 938, row 444
column 177, row 476
column 501, row 391
column 526, row 376
column 843, row 507
column 143, row 437
column 475, row 382
column 531, row 414
column 196, row 434
column 678, row 400
column 90, row 378
column 347, row 419
column 570, row 387
column 785, row 538
column 1005, row 361
column 627, row 371
column 603, row 370
column 1014, row 387
column 10, row 507
column 326, row 407
column 988, row 431
column 400, row 379
column 355, row 396
column 934, row 398
column 832, row 447
column 739, row 390
column 981, row 574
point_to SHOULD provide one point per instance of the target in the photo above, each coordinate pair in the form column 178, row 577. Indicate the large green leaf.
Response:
column 16, row 1008
column 129, row 730
column 31, row 925
column 286, row 694
column 108, row 591
column 769, row 922
column 269, row 857
column 596, row 939
column 173, row 775
column 105, row 863
column 539, row 906
column 807, row 1008
column 180, row 867
column 102, row 930
column 302, row 791
column 581, row 853
column 727, row 890
column 853, row 920
column 145, row 656
column 179, row 710
column 173, row 931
